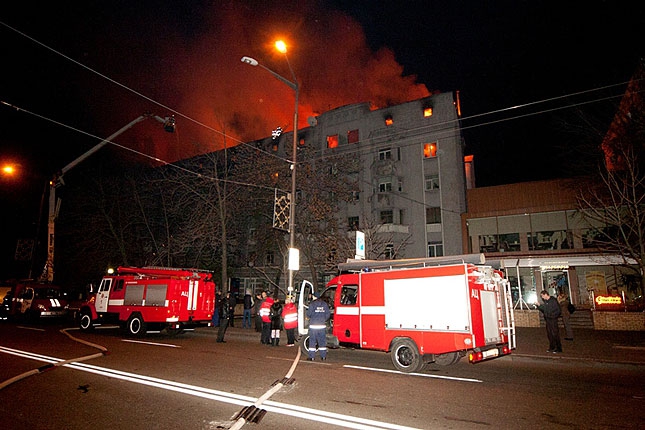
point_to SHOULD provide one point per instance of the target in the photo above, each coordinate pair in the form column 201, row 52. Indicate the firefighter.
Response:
column 265, row 314
column 318, row 314
column 290, row 320
column 276, row 322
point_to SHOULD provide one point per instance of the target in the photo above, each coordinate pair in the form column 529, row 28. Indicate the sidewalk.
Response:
column 627, row 347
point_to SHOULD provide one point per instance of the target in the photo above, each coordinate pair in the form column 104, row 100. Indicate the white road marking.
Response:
column 425, row 375
column 169, row 345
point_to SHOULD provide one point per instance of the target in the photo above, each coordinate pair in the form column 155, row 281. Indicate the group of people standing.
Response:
column 271, row 316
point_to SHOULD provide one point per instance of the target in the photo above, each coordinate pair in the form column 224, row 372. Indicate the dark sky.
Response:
column 184, row 58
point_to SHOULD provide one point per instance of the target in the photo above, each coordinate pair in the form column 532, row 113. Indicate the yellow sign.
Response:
column 609, row 300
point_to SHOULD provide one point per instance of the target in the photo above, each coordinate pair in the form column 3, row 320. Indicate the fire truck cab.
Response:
column 431, row 310
column 151, row 299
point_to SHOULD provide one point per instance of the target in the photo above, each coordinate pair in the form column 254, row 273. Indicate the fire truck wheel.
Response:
column 135, row 325
column 85, row 321
column 405, row 355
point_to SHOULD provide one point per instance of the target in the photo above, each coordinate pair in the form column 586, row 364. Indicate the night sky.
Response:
column 105, row 63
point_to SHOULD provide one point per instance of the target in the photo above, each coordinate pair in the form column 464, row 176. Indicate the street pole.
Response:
column 293, row 252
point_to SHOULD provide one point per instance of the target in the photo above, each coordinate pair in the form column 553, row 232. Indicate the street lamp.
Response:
column 293, row 252
column 57, row 180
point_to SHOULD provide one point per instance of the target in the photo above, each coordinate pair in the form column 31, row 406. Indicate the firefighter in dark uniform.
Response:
column 318, row 314
column 223, row 308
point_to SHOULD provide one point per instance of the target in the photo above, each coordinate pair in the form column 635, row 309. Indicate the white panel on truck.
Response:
column 432, row 303
column 489, row 314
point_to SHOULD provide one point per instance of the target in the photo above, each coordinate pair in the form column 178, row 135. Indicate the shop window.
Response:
column 387, row 217
column 433, row 215
column 352, row 136
column 332, row 141
column 509, row 242
column 488, row 243
column 432, row 182
column 385, row 154
column 549, row 240
column 430, row 150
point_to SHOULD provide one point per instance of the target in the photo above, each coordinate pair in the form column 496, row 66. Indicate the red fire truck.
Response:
column 150, row 298
column 430, row 310
column 32, row 300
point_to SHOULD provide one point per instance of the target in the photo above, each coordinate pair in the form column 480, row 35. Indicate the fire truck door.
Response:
column 103, row 295
column 346, row 315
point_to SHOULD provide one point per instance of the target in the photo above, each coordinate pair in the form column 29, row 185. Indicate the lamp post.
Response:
column 293, row 252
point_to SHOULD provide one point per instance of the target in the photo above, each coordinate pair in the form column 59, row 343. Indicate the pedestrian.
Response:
column 232, row 301
column 551, row 311
column 276, row 322
column 259, row 297
column 564, row 302
column 290, row 320
column 248, row 307
column 218, row 297
column 318, row 314
column 265, row 314
column 223, row 308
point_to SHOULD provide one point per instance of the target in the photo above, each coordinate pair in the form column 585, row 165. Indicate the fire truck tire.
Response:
column 85, row 321
column 135, row 326
column 447, row 359
column 405, row 355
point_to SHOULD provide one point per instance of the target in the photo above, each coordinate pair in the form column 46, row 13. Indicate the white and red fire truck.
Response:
column 152, row 298
column 430, row 310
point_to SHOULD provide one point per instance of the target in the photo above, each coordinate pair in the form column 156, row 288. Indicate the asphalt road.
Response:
column 191, row 382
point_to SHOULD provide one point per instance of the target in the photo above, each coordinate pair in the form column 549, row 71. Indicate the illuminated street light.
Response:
column 293, row 252
column 8, row 170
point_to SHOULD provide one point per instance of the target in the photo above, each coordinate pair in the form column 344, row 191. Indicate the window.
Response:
column 435, row 249
column 384, row 187
column 432, row 182
column 352, row 223
column 332, row 141
column 385, row 154
column 348, row 295
column 433, row 215
column 352, row 136
column 387, row 217
column 389, row 251
column 388, row 120
column 356, row 195
column 269, row 258
column 427, row 112
column 301, row 142
column 430, row 150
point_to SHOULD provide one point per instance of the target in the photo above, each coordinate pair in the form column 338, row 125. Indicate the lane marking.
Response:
column 425, row 375
column 302, row 412
column 168, row 345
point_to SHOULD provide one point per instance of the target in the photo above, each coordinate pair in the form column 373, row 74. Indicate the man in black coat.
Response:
column 550, row 308
column 223, row 308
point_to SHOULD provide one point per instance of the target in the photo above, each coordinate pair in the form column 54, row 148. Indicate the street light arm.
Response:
column 253, row 62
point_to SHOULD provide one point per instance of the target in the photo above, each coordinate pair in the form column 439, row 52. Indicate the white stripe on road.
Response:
column 310, row 414
column 373, row 369
column 169, row 345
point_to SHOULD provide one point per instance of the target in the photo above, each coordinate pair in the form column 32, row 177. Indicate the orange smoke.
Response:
column 203, row 78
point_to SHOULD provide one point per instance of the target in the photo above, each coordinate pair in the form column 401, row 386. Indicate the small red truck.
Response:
column 429, row 310
column 145, row 299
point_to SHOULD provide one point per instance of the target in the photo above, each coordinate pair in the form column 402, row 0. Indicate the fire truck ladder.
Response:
column 509, row 313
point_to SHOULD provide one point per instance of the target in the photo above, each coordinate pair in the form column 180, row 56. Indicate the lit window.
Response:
column 433, row 215
column 385, row 154
column 301, row 142
column 387, row 217
column 385, row 187
column 274, row 147
column 332, row 141
column 432, row 182
column 430, row 150
column 427, row 112
column 352, row 136
column 388, row 120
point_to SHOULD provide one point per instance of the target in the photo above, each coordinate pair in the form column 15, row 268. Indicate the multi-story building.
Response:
column 410, row 177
